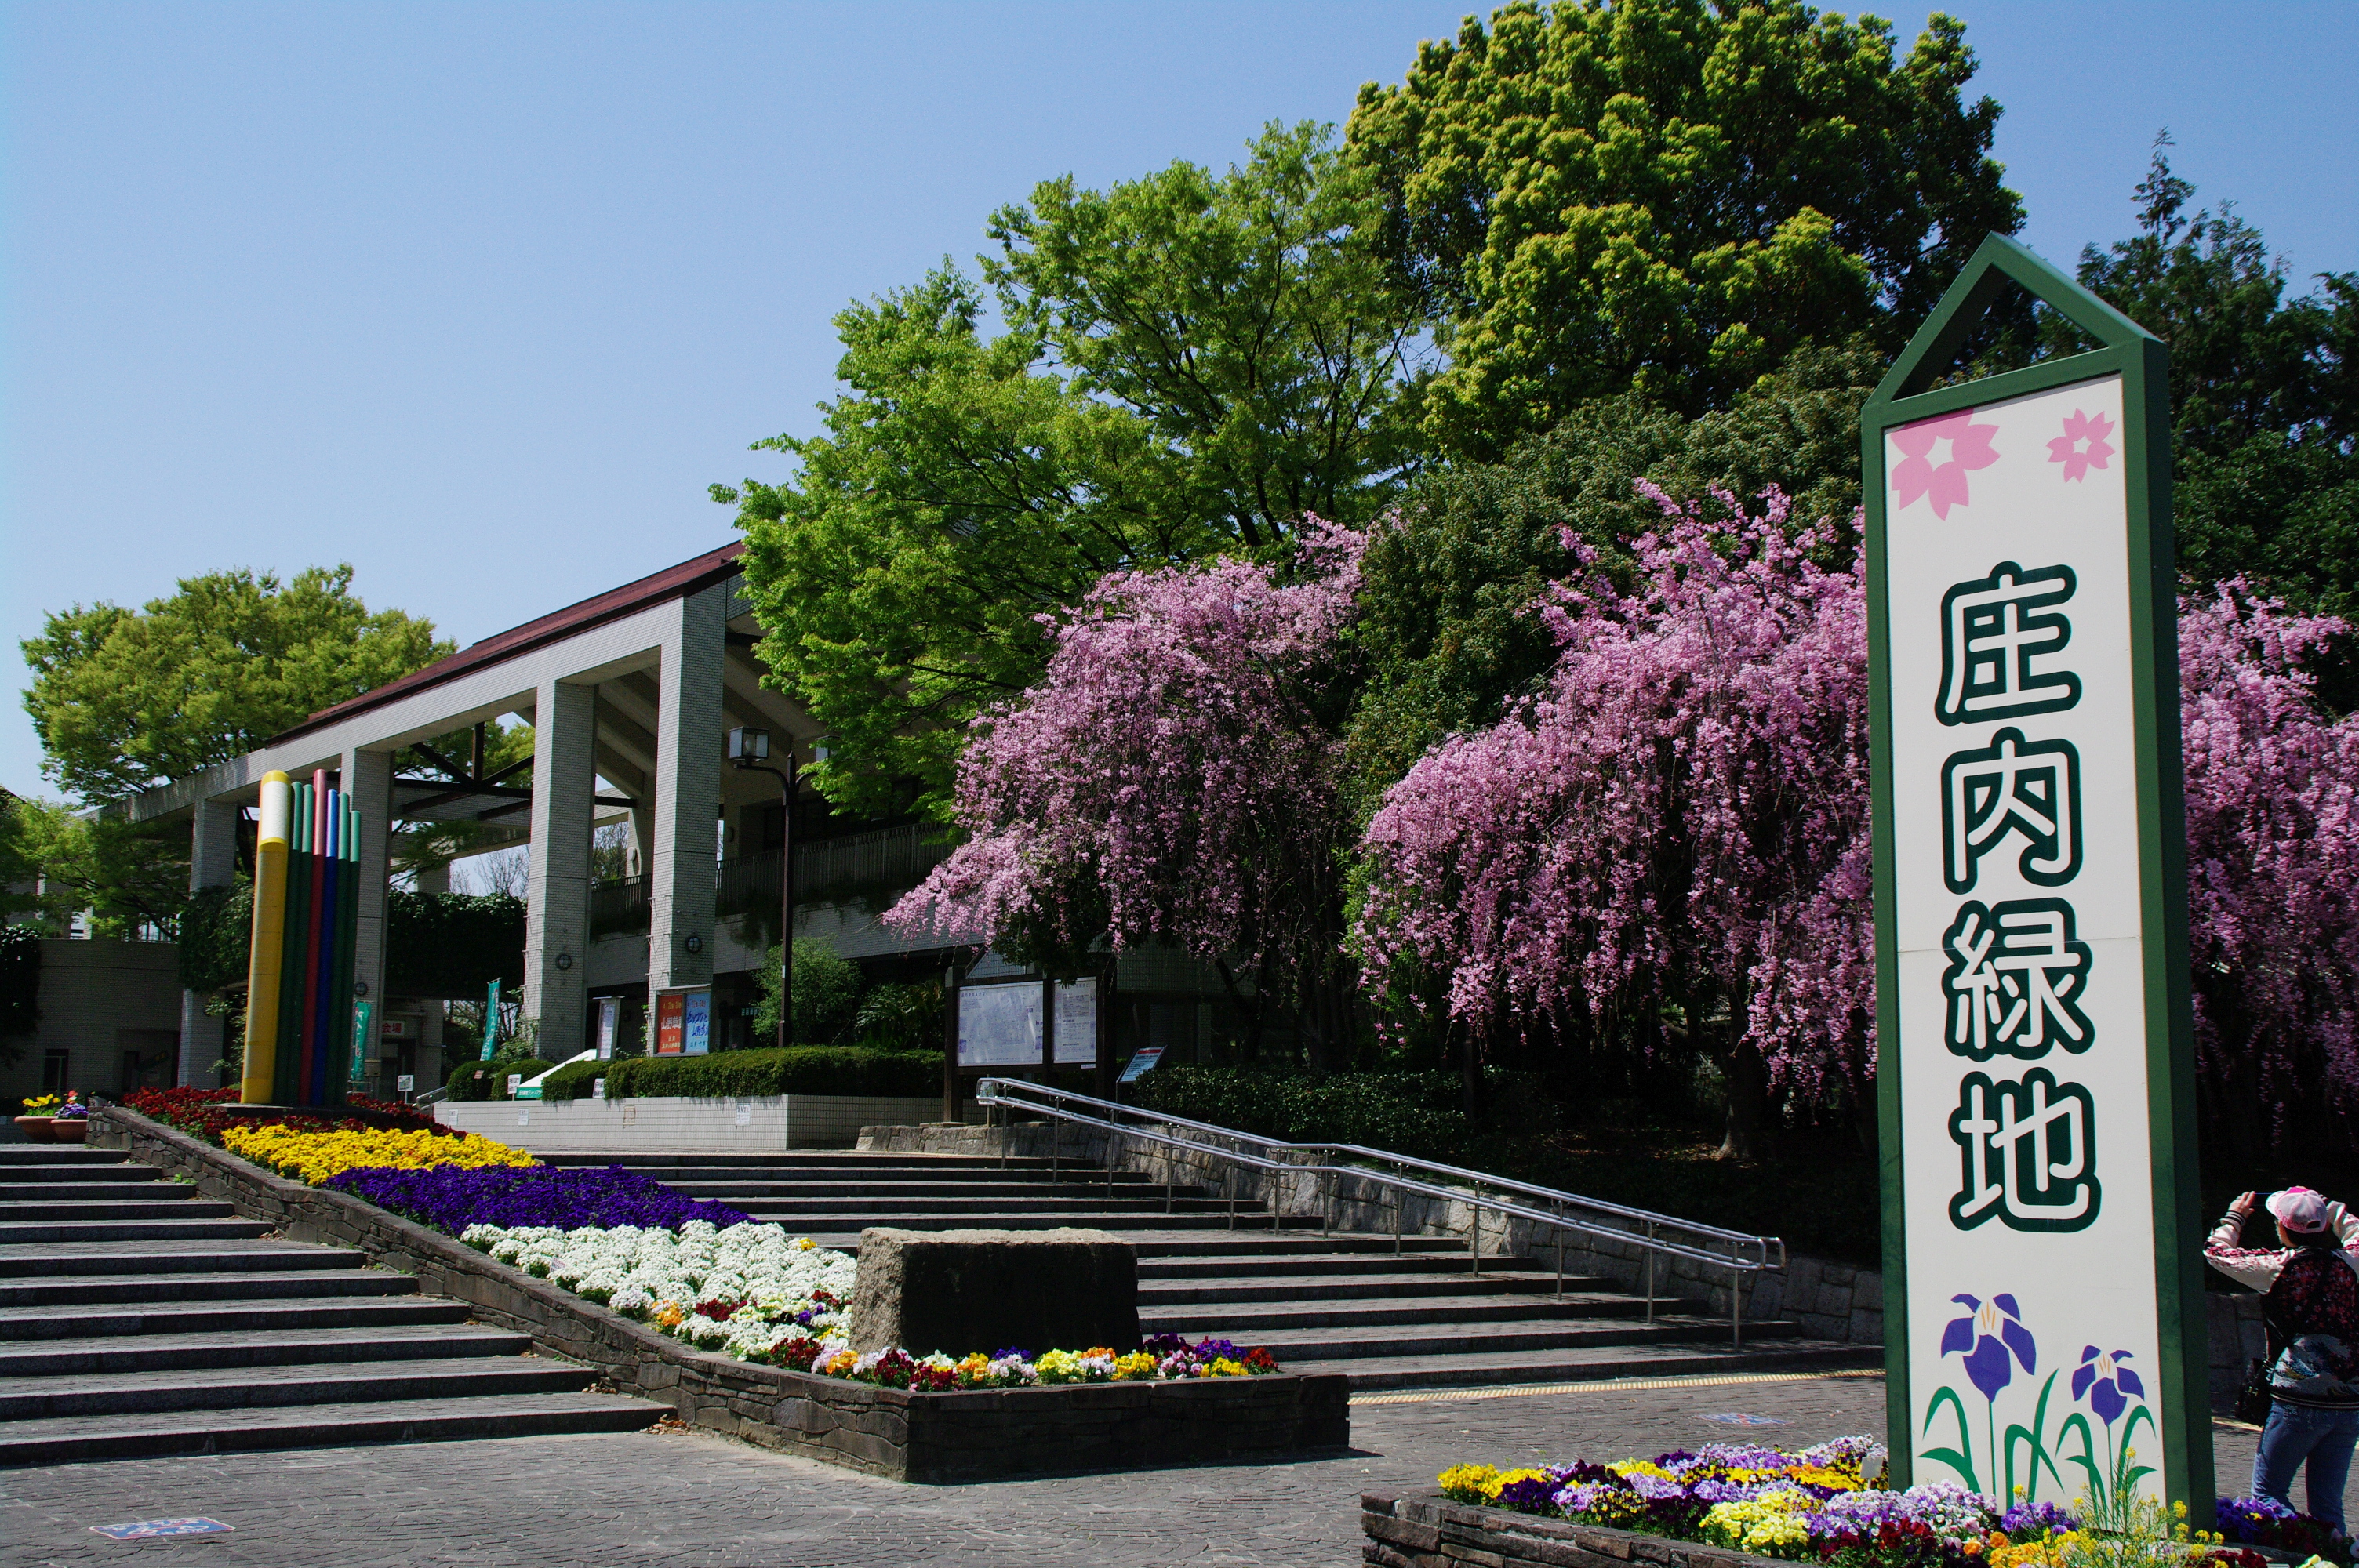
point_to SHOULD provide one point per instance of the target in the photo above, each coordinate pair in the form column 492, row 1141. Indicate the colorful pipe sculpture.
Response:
column 299, row 1013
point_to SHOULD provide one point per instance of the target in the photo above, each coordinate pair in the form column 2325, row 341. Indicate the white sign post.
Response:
column 2044, row 1329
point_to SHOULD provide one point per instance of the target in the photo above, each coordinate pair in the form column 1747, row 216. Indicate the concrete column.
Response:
column 688, row 739
column 368, row 780
column 557, row 918
column 213, row 862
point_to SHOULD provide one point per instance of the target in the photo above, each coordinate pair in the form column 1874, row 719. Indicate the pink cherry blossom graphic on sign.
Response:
column 2066, row 448
column 1918, row 474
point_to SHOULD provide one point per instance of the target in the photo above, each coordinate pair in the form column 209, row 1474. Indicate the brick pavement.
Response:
column 687, row 1498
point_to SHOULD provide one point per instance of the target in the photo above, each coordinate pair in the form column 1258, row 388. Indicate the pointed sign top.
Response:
column 1998, row 261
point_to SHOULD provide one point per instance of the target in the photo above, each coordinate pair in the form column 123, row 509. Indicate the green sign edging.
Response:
column 1903, row 397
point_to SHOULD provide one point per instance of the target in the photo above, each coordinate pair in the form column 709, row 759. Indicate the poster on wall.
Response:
column 999, row 1025
column 1075, row 1037
column 2044, row 1327
column 696, row 1023
column 610, row 1012
column 672, row 1020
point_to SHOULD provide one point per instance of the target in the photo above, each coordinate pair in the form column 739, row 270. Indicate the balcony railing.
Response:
column 876, row 865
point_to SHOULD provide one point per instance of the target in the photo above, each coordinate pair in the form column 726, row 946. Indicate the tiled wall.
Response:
column 758, row 1124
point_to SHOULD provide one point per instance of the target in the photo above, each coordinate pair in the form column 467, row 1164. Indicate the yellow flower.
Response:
column 313, row 1157
column 1138, row 1363
column 1469, row 1483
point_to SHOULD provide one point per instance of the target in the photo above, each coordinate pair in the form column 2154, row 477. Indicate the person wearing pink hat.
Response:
column 2311, row 1310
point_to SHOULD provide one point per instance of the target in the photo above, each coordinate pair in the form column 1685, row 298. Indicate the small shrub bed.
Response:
column 489, row 1080
column 794, row 1070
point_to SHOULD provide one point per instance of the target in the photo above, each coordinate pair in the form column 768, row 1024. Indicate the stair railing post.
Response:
column 1559, row 1259
column 1056, row 1147
column 1651, row 1272
column 1475, row 1231
column 1400, row 1202
column 1736, row 1301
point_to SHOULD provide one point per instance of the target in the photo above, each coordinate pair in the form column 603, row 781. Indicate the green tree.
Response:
column 827, row 994
column 1669, row 198
column 1451, row 591
column 2264, row 393
column 1188, row 363
column 124, row 700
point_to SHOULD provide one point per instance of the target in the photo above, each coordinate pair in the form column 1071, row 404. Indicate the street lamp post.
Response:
column 748, row 751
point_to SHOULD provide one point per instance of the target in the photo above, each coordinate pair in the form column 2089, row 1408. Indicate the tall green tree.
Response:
column 2264, row 393
column 124, row 700
column 1184, row 364
column 1669, row 197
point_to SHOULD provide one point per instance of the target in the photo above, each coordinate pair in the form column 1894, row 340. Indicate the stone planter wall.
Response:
column 965, row 1436
column 667, row 1124
column 1433, row 1533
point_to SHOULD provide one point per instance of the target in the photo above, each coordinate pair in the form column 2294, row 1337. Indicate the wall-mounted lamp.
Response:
column 360, row 988
column 694, row 944
column 564, row 961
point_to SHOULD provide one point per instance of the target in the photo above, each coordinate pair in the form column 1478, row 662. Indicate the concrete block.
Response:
column 1867, row 1290
column 1867, row 1327
column 960, row 1290
column 1840, row 1274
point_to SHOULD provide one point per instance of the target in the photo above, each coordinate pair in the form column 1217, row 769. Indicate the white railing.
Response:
column 1402, row 1176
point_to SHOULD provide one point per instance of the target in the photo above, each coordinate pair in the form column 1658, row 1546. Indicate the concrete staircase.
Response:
column 1411, row 1316
column 138, row 1319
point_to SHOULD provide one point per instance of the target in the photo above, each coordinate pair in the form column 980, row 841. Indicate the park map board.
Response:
column 2041, row 1222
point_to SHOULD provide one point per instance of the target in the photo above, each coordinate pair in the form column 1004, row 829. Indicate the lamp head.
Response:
column 748, row 746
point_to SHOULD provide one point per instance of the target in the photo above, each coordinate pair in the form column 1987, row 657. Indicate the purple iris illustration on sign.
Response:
column 1992, row 1337
column 2105, row 1383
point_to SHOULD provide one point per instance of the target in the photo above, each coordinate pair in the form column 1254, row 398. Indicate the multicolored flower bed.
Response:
column 198, row 1113
column 2265, row 1521
column 313, row 1157
column 751, row 1291
column 1827, row 1504
column 554, row 1199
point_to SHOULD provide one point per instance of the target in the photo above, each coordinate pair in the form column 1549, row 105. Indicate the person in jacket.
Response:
column 2311, row 1309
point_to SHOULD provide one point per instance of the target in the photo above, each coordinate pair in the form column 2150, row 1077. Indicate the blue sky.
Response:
column 481, row 298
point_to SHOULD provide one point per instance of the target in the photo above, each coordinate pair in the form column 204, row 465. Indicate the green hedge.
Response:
column 494, row 1085
column 436, row 944
column 797, row 1070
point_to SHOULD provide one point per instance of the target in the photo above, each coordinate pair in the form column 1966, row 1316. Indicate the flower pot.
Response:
column 36, row 1128
column 68, row 1129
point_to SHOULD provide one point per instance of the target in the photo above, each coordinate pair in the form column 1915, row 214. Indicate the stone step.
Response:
column 1257, row 1319
column 14, row 1233
column 94, row 1356
column 15, row 1193
column 1293, row 1344
column 252, row 1318
column 1447, row 1259
column 189, row 1208
column 77, row 1258
column 741, row 1192
column 805, row 1160
column 68, row 1439
column 107, row 1290
column 981, row 1208
column 337, row 1382
column 1447, row 1367
column 848, row 1227
column 13, row 1154
column 14, row 1171
column 1371, row 1286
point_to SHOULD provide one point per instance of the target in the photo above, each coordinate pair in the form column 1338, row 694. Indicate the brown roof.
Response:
column 672, row 582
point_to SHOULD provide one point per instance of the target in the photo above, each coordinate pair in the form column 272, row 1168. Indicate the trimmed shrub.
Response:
column 494, row 1082
column 797, row 1070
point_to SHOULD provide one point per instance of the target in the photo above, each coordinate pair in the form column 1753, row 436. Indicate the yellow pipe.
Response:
column 269, row 949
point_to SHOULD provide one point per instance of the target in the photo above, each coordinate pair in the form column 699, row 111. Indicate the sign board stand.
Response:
column 2036, row 1087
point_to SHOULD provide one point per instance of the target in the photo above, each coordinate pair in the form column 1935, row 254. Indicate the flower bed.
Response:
column 2265, row 1521
column 1826, row 1505
column 750, row 1291
column 200, row 1114
column 313, row 1157
column 553, row 1200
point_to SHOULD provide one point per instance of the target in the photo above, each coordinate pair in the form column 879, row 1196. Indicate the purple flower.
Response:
column 2108, row 1385
column 451, row 1197
column 1986, row 1335
column 2041, row 1519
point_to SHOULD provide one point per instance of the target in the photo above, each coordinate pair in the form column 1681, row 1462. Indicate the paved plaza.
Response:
column 688, row 1498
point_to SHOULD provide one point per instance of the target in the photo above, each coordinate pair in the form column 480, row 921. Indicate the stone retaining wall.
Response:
column 668, row 1124
column 966, row 1436
column 1432, row 1532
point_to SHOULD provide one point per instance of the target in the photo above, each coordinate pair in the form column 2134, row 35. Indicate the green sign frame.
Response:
column 1908, row 395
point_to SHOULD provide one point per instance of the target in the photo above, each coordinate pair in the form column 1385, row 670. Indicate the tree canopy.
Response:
column 1187, row 363
column 1669, row 197
column 125, row 699
column 2264, row 395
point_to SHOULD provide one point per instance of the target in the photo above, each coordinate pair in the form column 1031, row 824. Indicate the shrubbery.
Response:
column 796, row 1070
column 493, row 1082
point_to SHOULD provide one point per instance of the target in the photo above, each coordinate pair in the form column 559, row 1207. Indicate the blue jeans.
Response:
column 2323, row 1437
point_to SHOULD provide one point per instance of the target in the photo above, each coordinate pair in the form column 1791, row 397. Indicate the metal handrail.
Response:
column 1516, row 1200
